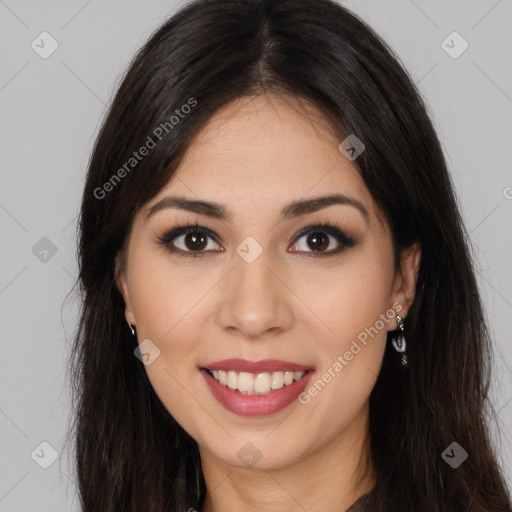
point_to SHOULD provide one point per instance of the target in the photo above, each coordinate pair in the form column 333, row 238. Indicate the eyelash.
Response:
column 328, row 228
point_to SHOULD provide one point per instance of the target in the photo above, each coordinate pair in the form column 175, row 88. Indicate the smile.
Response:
column 262, row 399
column 255, row 384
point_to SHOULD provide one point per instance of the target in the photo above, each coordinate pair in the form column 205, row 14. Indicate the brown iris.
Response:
column 319, row 241
column 195, row 241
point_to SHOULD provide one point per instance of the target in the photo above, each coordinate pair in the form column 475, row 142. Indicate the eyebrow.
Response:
column 292, row 210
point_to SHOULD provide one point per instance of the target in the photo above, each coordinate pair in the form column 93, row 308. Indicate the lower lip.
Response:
column 256, row 405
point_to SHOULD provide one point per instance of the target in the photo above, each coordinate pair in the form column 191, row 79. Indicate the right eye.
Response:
column 194, row 240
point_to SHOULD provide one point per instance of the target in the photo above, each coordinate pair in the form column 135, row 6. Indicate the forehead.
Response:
column 265, row 151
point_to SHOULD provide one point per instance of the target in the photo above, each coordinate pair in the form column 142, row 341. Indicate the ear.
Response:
column 123, row 287
column 405, row 281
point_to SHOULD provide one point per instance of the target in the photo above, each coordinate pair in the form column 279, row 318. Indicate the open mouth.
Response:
column 261, row 383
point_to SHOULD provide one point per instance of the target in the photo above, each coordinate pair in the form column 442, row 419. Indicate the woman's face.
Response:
column 261, row 286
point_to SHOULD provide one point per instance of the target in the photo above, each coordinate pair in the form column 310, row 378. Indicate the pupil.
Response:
column 195, row 241
column 318, row 240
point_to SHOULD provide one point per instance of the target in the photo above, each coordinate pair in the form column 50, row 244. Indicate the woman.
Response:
column 269, row 210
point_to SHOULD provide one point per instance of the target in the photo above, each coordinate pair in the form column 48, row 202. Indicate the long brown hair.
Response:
column 131, row 455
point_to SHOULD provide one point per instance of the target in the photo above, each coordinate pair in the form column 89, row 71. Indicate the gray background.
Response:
column 50, row 112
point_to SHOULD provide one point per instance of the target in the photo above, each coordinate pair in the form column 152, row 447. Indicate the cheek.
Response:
column 163, row 304
column 161, row 294
column 172, row 305
column 349, row 298
column 356, row 306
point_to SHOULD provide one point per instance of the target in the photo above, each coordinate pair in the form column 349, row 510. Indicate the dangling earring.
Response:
column 132, row 329
column 399, row 342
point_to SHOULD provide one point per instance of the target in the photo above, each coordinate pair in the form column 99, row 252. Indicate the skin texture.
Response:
column 255, row 156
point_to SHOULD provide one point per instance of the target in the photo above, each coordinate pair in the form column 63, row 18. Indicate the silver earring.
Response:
column 399, row 342
column 132, row 329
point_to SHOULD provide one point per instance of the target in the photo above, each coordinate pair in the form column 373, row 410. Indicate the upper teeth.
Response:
column 254, row 384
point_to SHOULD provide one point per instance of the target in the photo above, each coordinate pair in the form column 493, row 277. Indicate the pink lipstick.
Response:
column 260, row 403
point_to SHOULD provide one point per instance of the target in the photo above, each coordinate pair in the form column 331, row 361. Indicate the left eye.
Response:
column 318, row 240
column 317, row 237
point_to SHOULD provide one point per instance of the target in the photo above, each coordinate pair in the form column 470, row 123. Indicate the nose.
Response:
column 255, row 300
